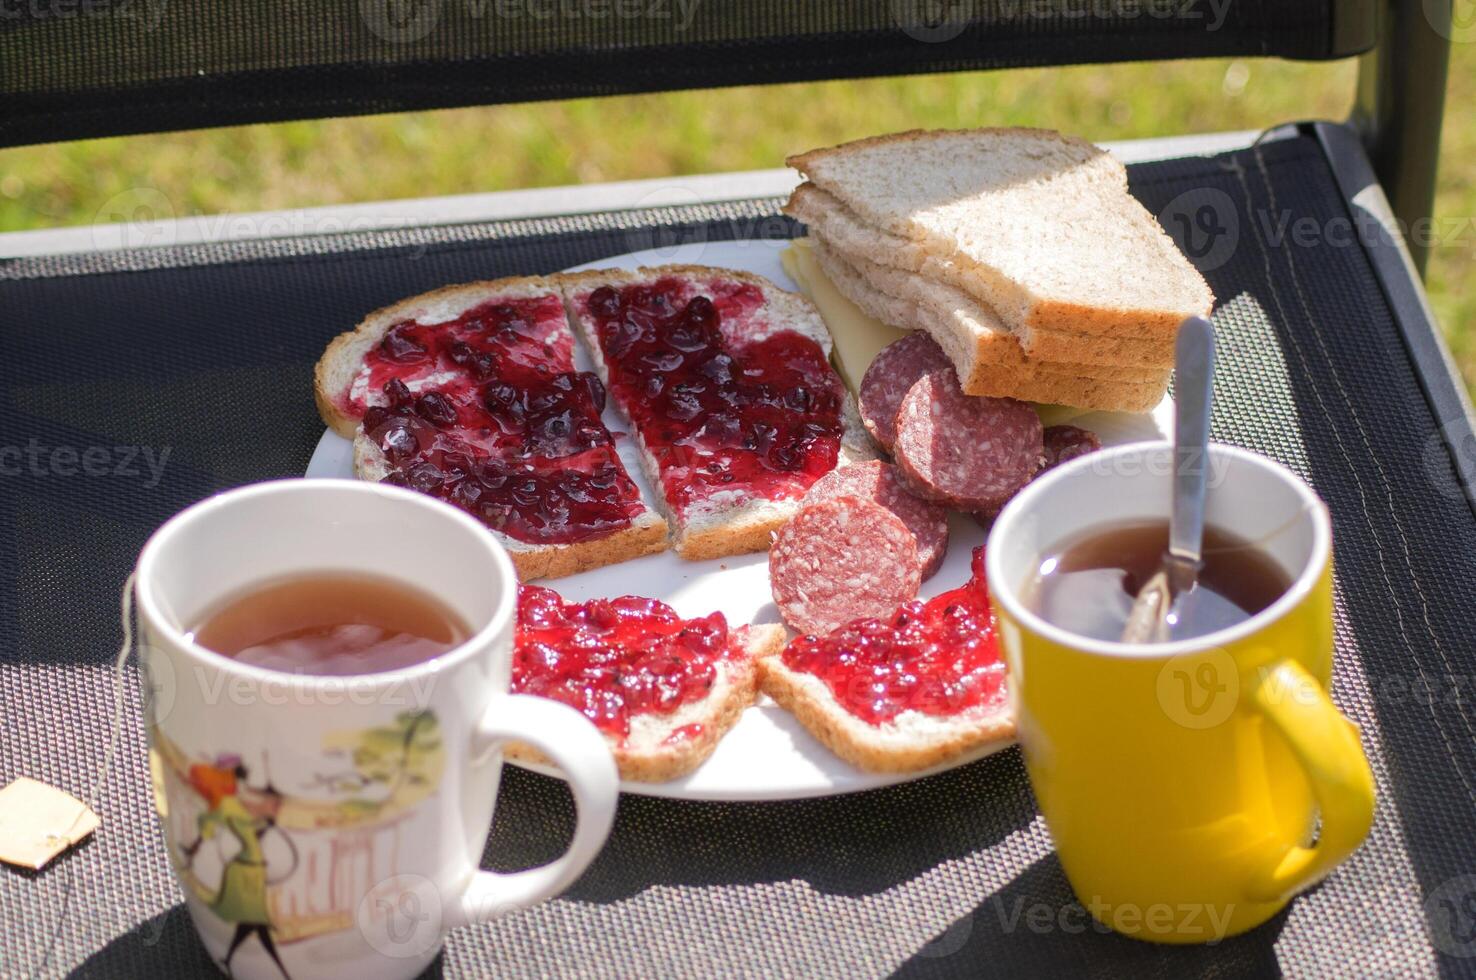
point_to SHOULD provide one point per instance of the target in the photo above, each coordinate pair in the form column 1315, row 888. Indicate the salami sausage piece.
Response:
column 964, row 451
column 1066, row 442
column 1061, row 443
column 840, row 560
column 878, row 482
column 886, row 381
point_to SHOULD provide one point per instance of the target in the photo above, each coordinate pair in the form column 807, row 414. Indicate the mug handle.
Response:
column 577, row 748
column 1327, row 746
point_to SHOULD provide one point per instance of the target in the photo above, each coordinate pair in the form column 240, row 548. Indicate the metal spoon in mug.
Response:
column 1194, row 369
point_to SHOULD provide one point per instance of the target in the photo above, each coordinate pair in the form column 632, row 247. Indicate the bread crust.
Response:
column 740, row 534
column 717, row 715
column 679, row 269
column 1088, row 393
column 804, row 161
column 646, row 537
column 891, row 747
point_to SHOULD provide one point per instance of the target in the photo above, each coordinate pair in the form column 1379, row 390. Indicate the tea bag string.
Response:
column 115, row 726
column 120, row 664
column 94, row 794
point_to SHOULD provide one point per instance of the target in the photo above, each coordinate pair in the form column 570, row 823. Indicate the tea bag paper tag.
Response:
column 38, row 822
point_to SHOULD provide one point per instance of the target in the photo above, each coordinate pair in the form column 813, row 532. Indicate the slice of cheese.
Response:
column 859, row 338
column 1059, row 414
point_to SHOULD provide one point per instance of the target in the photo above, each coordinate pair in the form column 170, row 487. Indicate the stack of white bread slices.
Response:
column 1020, row 251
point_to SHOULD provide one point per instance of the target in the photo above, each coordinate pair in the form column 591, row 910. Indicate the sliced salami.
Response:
column 1060, row 443
column 1066, row 442
column 879, row 482
column 840, row 560
column 968, row 452
column 887, row 379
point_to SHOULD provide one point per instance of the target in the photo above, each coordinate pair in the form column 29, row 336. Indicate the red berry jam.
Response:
column 938, row 657
column 721, row 400
column 613, row 659
column 486, row 411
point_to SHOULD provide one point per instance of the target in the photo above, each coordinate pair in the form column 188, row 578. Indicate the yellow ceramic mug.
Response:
column 1181, row 782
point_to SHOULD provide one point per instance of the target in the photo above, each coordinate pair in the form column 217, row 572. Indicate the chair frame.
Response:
column 1399, row 107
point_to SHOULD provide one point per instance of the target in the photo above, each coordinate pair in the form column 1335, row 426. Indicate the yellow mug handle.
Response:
column 1327, row 746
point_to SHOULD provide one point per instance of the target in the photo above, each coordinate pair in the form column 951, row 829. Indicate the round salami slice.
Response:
column 840, row 560
column 878, row 482
column 886, row 381
column 968, row 452
column 1066, row 442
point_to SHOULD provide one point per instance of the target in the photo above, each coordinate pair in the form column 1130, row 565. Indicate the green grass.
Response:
column 457, row 151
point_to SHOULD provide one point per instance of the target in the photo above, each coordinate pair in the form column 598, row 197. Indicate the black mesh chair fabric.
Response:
column 82, row 68
column 203, row 355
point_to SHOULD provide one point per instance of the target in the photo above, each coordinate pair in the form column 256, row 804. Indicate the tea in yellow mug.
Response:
column 1182, row 781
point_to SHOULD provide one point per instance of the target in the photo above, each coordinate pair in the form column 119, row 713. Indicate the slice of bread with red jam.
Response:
column 920, row 689
column 662, row 689
column 469, row 394
column 727, row 383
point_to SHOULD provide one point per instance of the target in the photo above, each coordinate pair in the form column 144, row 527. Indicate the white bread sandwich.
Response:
column 988, row 358
column 842, row 233
column 1038, row 226
column 469, row 393
column 662, row 690
column 727, row 384
column 937, row 662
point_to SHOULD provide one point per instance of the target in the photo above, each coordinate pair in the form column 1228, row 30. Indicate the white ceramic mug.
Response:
column 334, row 826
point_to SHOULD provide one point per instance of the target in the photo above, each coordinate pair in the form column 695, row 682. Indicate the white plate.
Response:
column 768, row 755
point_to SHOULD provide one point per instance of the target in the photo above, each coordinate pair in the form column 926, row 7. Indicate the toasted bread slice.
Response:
column 1023, row 379
column 340, row 391
column 935, row 280
column 655, row 752
column 1038, row 226
column 722, row 524
column 911, row 742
